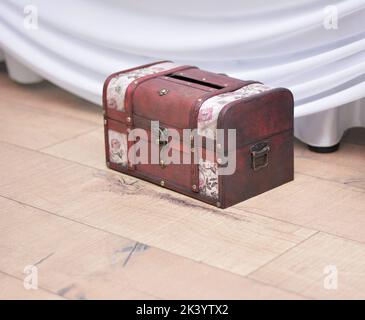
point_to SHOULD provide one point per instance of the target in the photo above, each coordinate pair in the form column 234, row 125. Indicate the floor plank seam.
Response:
column 68, row 139
column 281, row 254
column 48, row 111
column 43, row 259
column 303, row 226
column 63, row 217
column 276, row 219
column 281, row 289
column 40, row 287
column 357, row 189
column 59, row 158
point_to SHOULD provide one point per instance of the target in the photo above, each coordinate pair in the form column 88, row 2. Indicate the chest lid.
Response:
column 164, row 92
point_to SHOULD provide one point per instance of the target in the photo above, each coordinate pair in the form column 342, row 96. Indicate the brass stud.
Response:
column 193, row 150
column 219, row 160
column 162, row 183
column 129, row 119
column 163, row 92
column 105, row 121
column 181, row 73
column 204, row 79
column 135, row 82
column 193, row 187
column 199, row 99
column 218, row 204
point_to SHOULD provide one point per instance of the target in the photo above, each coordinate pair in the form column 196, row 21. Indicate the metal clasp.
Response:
column 163, row 136
column 260, row 155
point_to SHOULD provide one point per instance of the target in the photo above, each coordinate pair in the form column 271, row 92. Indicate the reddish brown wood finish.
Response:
column 246, row 183
column 265, row 117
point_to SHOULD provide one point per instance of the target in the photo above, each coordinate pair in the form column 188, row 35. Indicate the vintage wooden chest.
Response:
column 206, row 135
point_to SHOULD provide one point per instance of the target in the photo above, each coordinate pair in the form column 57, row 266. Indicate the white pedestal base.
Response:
column 20, row 73
column 326, row 128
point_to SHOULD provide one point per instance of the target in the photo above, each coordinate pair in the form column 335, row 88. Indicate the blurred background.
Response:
column 316, row 48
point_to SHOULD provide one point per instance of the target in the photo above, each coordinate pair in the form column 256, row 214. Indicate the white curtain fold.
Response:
column 282, row 43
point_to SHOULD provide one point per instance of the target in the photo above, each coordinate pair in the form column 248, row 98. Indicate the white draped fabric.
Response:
column 282, row 43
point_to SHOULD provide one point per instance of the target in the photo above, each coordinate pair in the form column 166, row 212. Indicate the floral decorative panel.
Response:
column 210, row 109
column 208, row 178
column 207, row 125
column 118, row 85
column 118, row 147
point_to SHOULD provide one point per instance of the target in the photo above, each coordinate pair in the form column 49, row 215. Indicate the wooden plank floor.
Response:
column 94, row 233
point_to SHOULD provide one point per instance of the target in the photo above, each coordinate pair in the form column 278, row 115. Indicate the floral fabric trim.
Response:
column 118, row 147
column 207, row 125
column 118, row 85
column 208, row 178
column 210, row 109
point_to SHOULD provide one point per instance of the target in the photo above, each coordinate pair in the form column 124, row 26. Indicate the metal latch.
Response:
column 163, row 136
column 260, row 155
